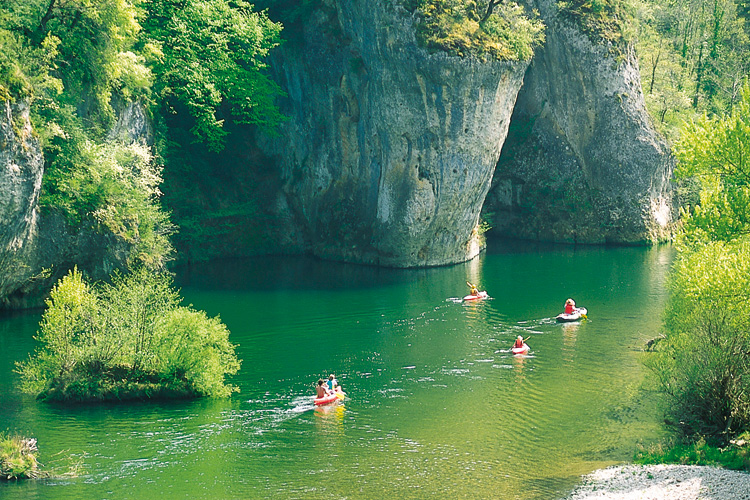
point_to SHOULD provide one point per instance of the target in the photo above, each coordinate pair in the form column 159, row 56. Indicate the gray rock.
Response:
column 36, row 250
column 582, row 162
column 21, row 167
column 390, row 150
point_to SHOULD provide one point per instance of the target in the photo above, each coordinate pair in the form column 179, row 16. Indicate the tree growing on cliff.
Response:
column 126, row 340
column 502, row 31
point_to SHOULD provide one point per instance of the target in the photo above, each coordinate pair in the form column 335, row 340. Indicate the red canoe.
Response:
column 478, row 296
column 330, row 398
column 524, row 349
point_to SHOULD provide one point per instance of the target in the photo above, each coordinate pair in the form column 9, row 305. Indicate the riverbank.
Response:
column 663, row 482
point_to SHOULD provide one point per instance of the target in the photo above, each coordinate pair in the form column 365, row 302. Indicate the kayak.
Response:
column 524, row 349
column 326, row 400
column 577, row 314
column 478, row 296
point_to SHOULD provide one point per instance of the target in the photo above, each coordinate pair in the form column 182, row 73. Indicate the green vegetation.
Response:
column 208, row 59
column 126, row 340
column 18, row 457
column 603, row 21
column 735, row 456
column 703, row 365
column 486, row 29
column 693, row 58
column 197, row 65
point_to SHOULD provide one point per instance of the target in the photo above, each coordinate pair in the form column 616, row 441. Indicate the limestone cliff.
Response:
column 582, row 162
column 21, row 166
column 389, row 151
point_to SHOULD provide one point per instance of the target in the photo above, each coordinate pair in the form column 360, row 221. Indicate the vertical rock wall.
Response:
column 390, row 150
column 21, row 167
column 582, row 162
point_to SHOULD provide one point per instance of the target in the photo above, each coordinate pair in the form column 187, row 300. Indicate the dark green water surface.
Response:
column 436, row 408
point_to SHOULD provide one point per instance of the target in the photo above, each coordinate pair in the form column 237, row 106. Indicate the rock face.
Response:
column 21, row 167
column 582, row 163
column 390, row 150
column 36, row 250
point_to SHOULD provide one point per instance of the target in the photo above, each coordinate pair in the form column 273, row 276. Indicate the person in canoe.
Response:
column 323, row 389
column 570, row 306
column 332, row 383
column 519, row 343
column 473, row 288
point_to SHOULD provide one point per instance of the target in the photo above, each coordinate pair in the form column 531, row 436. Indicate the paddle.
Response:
column 340, row 394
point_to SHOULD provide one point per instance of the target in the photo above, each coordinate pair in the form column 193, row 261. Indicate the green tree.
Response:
column 704, row 363
column 502, row 31
column 715, row 152
column 703, row 366
column 208, row 56
column 129, row 339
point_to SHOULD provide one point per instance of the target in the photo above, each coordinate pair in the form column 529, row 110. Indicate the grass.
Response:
column 735, row 456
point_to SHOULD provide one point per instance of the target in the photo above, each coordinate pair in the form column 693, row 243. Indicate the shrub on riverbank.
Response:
column 703, row 366
column 129, row 339
column 18, row 457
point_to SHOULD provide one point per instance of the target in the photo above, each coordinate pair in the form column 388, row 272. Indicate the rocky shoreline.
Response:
column 663, row 482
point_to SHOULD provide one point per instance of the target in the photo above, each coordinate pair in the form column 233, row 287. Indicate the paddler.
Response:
column 332, row 382
column 570, row 306
column 474, row 290
column 322, row 389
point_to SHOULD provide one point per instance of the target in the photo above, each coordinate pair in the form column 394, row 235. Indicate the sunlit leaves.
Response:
column 716, row 152
column 704, row 364
column 126, row 339
column 213, row 55
column 459, row 28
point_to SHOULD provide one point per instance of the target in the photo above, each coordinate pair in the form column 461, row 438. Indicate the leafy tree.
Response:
column 208, row 56
column 694, row 56
column 715, row 152
column 703, row 366
column 704, row 363
column 92, row 39
column 125, row 340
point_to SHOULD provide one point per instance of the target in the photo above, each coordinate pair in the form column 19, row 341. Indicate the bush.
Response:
column 18, row 457
column 704, row 363
column 115, row 187
column 458, row 27
column 126, row 340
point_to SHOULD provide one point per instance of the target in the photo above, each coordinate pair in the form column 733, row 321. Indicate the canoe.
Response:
column 478, row 296
column 524, row 349
column 326, row 400
column 577, row 314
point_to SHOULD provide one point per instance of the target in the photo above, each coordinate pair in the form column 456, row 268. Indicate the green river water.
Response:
column 436, row 407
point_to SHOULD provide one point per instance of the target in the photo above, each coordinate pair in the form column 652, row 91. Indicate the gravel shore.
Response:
column 663, row 482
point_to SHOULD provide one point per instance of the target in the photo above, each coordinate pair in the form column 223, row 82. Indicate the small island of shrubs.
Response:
column 18, row 457
column 125, row 340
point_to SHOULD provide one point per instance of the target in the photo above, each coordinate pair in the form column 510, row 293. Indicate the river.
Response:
column 436, row 406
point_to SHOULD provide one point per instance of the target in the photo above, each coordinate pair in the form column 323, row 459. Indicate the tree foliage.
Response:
column 694, row 56
column 716, row 152
column 704, row 363
column 124, row 340
column 208, row 56
column 486, row 29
